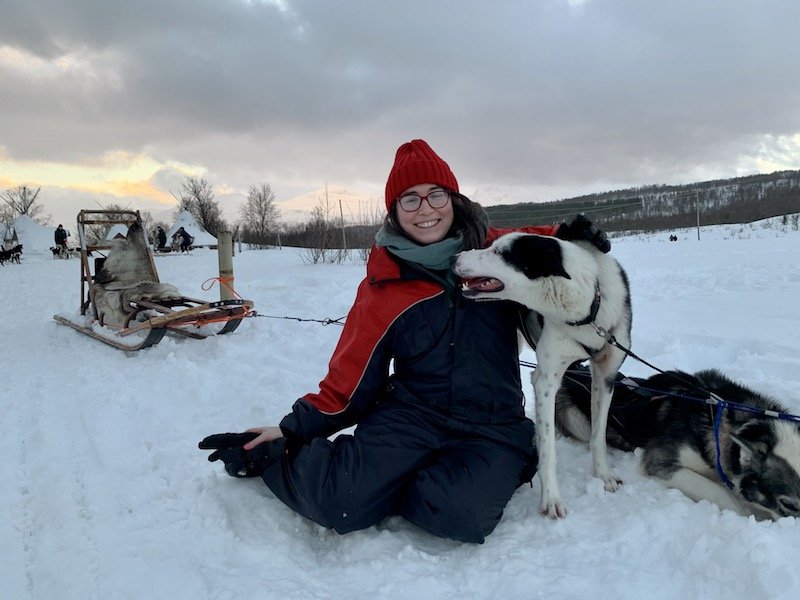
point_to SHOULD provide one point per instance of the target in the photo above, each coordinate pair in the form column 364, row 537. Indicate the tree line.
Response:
column 258, row 216
column 662, row 207
column 326, row 235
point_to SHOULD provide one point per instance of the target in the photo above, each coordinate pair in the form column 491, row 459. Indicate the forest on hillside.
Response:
column 641, row 209
column 660, row 207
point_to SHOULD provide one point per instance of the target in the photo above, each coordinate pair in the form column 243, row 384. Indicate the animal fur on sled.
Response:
column 127, row 276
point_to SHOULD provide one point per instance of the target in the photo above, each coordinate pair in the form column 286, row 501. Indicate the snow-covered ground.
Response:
column 105, row 495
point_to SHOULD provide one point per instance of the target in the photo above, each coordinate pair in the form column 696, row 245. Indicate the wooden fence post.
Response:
column 225, row 256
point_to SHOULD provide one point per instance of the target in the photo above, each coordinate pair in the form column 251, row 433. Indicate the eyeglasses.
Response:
column 436, row 199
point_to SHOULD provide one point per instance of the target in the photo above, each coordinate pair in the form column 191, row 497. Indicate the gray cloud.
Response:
column 549, row 96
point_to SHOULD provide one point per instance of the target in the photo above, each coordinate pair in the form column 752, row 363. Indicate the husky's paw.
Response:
column 611, row 482
column 553, row 508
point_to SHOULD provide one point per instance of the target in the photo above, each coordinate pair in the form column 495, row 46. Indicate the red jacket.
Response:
column 383, row 296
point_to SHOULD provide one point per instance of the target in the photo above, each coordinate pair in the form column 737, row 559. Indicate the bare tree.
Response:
column 148, row 224
column 156, row 224
column 6, row 214
column 96, row 234
column 185, row 203
column 321, row 242
column 316, row 234
column 197, row 196
column 321, row 238
column 22, row 201
column 258, row 215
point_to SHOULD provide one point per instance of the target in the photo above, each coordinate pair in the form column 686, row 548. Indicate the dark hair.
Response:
column 469, row 219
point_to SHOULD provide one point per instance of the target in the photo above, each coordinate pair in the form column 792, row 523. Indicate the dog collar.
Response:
column 592, row 309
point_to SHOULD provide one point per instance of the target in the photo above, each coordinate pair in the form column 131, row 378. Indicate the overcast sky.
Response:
column 117, row 101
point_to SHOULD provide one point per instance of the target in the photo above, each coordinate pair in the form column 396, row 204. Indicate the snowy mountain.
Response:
column 356, row 207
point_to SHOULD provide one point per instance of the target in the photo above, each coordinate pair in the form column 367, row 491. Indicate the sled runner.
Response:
column 123, row 302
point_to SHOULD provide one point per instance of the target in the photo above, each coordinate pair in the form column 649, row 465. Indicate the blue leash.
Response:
column 714, row 401
column 721, row 405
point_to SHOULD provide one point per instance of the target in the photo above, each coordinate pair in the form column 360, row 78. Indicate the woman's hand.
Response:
column 265, row 434
column 243, row 453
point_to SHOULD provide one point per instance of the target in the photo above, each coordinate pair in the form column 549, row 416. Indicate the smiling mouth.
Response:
column 476, row 285
column 427, row 224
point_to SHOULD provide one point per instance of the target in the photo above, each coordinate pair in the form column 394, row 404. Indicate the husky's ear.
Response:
column 537, row 256
column 755, row 439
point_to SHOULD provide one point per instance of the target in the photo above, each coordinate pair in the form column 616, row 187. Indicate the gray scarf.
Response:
column 433, row 257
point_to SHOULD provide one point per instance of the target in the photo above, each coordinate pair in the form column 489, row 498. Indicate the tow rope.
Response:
column 321, row 321
column 226, row 283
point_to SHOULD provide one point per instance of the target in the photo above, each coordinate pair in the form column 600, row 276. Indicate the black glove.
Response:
column 229, row 448
column 582, row 229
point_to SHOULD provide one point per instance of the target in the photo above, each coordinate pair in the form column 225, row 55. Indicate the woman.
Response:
column 443, row 441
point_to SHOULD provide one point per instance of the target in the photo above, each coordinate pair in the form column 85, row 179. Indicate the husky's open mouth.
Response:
column 475, row 285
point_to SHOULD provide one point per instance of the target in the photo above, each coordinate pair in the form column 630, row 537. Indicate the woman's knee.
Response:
column 448, row 513
column 463, row 496
column 337, row 484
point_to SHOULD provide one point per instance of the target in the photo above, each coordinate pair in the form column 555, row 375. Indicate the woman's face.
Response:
column 425, row 225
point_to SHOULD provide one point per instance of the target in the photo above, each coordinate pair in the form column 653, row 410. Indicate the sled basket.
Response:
column 146, row 321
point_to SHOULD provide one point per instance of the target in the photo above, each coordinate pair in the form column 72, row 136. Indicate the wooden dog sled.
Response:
column 146, row 321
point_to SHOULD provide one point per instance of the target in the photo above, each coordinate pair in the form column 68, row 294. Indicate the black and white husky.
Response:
column 127, row 275
column 752, row 466
column 581, row 298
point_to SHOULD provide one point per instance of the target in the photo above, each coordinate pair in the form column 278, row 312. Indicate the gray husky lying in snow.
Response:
column 757, row 470
column 127, row 275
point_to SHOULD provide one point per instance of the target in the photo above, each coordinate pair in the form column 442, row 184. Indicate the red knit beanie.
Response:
column 415, row 163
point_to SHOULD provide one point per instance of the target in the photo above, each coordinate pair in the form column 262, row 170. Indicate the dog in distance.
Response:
column 11, row 255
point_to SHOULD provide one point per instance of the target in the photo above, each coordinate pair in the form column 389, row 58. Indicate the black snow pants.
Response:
column 404, row 461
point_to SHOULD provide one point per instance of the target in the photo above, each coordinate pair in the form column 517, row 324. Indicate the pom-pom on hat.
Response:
column 415, row 163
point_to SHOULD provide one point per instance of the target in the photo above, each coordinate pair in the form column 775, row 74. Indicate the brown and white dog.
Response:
column 580, row 297
column 127, row 275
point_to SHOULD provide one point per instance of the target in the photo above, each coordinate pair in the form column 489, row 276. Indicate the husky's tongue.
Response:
column 481, row 284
